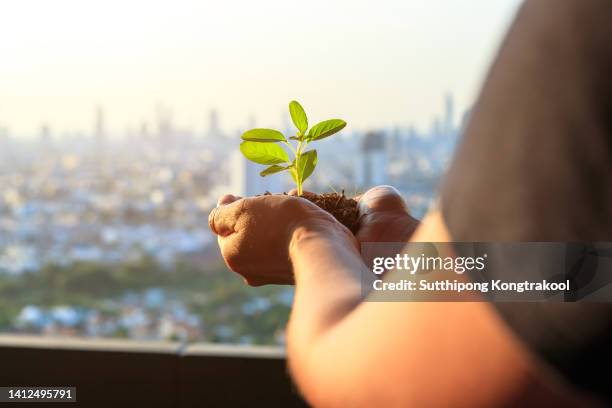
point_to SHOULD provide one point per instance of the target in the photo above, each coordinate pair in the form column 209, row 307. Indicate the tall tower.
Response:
column 45, row 135
column 4, row 133
column 45, row 139
column 214, row 128
column 213, row 122
column 99, row 139
column 165, row 127
column 99, row 125
column 449, row 115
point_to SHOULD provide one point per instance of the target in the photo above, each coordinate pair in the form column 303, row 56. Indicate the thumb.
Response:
column 222, row 219
column 382, row 199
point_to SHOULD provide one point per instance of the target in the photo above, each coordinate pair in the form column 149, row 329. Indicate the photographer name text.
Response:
column 448, row 285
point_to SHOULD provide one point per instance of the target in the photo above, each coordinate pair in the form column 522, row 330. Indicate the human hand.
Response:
column 384, row 216
column 254, row 233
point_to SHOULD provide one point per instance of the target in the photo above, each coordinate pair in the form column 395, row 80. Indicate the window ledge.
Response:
column 110, row 372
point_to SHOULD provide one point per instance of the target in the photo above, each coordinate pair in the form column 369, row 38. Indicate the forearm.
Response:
column 333, row 334
column 327, row 269
column 328, row 273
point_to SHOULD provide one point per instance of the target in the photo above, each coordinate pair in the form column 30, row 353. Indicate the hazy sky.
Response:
column 373, row 63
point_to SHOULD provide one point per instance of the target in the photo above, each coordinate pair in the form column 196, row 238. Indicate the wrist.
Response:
column 329, row 233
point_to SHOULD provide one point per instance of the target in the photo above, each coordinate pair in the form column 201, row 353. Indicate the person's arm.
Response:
column 345, row 352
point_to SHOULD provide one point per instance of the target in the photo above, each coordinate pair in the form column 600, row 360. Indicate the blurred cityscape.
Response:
column 107, row 235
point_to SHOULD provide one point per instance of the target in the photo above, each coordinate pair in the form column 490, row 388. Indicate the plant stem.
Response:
column 298, row 154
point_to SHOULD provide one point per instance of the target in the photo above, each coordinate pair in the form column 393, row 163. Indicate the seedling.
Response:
column 262, row 146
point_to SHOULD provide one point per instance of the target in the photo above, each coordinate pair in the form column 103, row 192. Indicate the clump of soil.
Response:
column 343, row 208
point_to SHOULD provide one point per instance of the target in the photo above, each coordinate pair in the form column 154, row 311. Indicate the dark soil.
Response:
column 343, row 208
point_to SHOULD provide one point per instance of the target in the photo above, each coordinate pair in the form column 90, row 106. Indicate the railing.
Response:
column 113, row 373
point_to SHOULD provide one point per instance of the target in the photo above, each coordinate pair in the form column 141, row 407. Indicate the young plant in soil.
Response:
column 263, row 146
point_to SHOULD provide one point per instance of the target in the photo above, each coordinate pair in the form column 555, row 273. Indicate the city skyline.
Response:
column 448, row 114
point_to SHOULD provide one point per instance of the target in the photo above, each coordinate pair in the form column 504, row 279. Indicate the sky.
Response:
column 373, row 63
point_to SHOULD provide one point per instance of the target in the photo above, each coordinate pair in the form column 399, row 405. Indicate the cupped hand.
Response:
column 254, row 233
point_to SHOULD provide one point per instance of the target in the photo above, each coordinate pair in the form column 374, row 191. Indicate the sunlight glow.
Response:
column 379, row 63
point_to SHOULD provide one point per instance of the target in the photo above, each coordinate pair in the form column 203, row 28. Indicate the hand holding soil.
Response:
column 255, row 233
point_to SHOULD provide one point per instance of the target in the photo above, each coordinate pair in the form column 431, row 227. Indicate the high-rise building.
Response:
column 449, row 115
column 213, row 122
column 371, row 167
column 214, row 130
column 165, row 127
column 100, row 125
column 45, row 136
column 4, row 134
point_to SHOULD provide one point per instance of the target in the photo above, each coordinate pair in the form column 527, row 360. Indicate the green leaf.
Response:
column 306, row 164
column 264, row 153
column 298, row 116
column 275, row 168
column 325, row 129
column 263, row 135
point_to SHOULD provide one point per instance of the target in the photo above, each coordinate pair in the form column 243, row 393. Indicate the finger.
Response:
column 222, row 220
column 382, row 198
column 227, row 199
